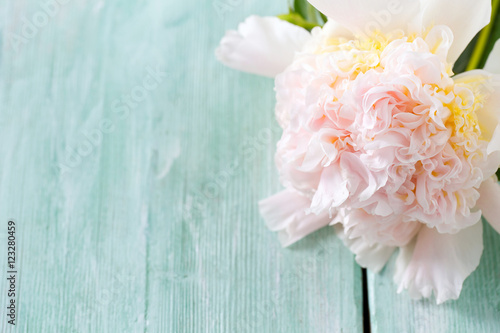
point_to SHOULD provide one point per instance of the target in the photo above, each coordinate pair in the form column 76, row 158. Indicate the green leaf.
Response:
column 297, row 19
column 307, row 12
column 303, row 14
column 494, row 36
column 464, row 59
column 303, row 8
column 481, row 49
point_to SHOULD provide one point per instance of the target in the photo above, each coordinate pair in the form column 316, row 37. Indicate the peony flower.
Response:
column 380, row 139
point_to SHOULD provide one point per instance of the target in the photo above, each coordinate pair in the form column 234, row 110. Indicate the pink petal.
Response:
column 439, row 263
column 285, row 212
column 372, row 257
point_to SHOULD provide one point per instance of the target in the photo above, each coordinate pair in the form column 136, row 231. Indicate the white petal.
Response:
column 464, row 17
column 363, row 17
column 439, row 263
column 489, row 114
column 373, row 257
column 333, row 28
column 262, row 45
column 494, row 144
column 402, row 260
column 493, row 63
column 285, row 212
column 489, row 202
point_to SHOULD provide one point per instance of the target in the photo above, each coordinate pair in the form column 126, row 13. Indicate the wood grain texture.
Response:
column 477, row 309
column 133, row 162
column 137, row 207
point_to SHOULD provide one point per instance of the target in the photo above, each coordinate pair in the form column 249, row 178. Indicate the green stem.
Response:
column 483, row 39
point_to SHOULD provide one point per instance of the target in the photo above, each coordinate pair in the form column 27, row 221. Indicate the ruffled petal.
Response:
column 364, row 17
column 285, row 212
column 489, row 202
column 325, row 198
column 493, row 63
column 372, row 257
column 262, row 45
column 439, row 263
column 454, row 14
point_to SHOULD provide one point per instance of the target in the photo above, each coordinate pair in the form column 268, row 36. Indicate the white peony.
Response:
column 380, row 138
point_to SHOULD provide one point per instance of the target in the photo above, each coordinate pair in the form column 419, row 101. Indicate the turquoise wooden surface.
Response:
column 477, row 309
column 132, row 163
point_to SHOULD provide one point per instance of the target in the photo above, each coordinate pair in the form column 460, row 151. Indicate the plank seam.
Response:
column 366, row 303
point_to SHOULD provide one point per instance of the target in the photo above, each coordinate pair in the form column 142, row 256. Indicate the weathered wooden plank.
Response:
column 213, row 265
column 140, row 213
column 477, row 309
column 79, row 199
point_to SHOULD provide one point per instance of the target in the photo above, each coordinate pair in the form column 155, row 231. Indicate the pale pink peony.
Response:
column 382, row 141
